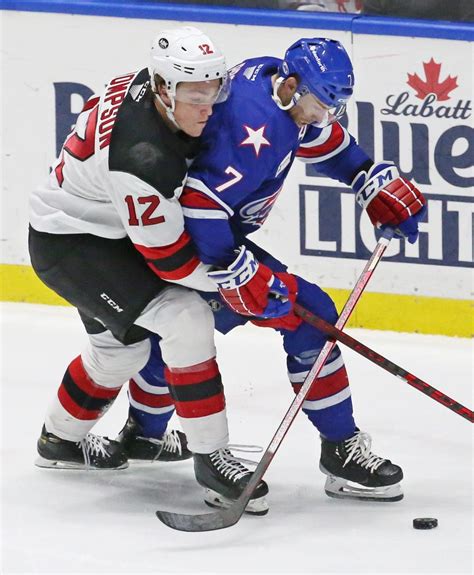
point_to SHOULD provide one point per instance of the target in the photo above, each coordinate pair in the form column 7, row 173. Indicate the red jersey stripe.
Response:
column 177, row 274
column 156, row 253
column 193, row 199
column 334, row 141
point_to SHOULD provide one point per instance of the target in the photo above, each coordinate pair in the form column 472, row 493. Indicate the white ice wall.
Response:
column 43, row 54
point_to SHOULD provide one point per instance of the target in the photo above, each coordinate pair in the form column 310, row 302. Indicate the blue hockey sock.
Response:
column 335, row 423
column 153, row 425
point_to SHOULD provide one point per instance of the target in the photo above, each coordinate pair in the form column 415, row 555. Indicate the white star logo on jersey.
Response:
column 255, row 138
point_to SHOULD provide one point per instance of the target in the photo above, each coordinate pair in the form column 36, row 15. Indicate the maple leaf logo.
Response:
column 432, row 85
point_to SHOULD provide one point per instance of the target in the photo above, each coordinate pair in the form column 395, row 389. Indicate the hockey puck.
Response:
column 425, row 523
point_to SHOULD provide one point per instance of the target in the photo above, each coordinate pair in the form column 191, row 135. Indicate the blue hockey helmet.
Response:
column 323, row 68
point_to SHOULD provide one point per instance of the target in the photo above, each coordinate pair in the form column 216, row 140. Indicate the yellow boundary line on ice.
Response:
column 417, row 314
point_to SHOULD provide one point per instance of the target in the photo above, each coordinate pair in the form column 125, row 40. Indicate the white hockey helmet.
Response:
column 187, row 55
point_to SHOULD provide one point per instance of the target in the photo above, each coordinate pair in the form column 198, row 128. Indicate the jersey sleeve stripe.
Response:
column 193, row 199
column 319, row 148
column 163, row 252
column 174, row 261
column 198, row 185
column 177, row 273
column 338, row 141
column 205, row 214
column 198, row 206
column 321, row 139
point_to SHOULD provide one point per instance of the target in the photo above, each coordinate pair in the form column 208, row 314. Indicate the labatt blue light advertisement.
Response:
column 422, row 121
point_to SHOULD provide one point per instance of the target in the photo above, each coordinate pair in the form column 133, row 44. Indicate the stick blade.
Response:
column 203, row 522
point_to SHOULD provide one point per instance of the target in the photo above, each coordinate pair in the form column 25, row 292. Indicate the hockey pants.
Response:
column 184, row 325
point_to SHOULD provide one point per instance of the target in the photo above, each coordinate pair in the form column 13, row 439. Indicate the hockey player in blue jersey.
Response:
column 277, row 111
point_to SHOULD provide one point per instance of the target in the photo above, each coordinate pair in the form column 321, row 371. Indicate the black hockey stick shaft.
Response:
column 231, row 515
column 383, row 362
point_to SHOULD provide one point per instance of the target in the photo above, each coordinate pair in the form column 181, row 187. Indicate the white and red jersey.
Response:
column 119, row 174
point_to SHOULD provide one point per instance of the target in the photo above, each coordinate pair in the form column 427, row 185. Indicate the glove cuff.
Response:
column 239, row 272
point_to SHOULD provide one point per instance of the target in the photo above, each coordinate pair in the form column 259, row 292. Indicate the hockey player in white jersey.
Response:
column 107, row 234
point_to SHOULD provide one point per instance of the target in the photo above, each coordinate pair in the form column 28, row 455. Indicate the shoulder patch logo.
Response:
column 252, row 72
column 215, row 305
column 137, row 92
column 248, row 72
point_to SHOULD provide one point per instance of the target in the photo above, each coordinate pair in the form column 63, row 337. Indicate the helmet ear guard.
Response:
column 276, row 98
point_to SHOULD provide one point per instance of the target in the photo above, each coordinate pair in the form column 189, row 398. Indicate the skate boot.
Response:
column 171, row 447
column 224, row 478
column 354, row 472
column 93, row 452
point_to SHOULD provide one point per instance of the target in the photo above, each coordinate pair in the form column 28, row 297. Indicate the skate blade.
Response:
column 254, row 507
column 343, row 489
column 53, row 464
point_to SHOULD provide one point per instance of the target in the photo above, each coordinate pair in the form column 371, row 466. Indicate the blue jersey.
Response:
column 249, row 146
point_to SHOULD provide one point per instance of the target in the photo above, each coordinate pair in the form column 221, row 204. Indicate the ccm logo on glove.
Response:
column 240, row 272
column 373, row 185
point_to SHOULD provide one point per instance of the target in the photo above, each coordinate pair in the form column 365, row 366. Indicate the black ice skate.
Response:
column 354, row 472
column 93, row 452
column 224, row 478
column 172, row 447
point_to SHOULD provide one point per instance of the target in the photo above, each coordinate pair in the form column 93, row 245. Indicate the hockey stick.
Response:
column 384, row 363
column 230, row 516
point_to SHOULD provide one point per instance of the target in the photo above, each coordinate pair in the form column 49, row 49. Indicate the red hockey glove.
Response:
column 390, row 200
column 250, row 287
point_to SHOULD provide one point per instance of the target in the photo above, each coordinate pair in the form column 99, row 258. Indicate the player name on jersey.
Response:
column 114, row 96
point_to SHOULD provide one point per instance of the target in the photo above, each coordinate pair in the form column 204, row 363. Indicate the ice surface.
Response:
column 104, row 522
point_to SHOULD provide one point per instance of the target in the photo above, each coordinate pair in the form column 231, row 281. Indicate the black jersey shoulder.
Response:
column 143, row 145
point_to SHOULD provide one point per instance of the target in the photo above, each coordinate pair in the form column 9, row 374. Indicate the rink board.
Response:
column 426, row 315
column 412, row 105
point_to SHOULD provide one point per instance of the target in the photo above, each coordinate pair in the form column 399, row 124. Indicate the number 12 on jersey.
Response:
column 146, row 218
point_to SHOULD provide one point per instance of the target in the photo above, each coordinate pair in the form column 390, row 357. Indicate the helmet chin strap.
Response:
column 276, row 98
column 169, row 109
